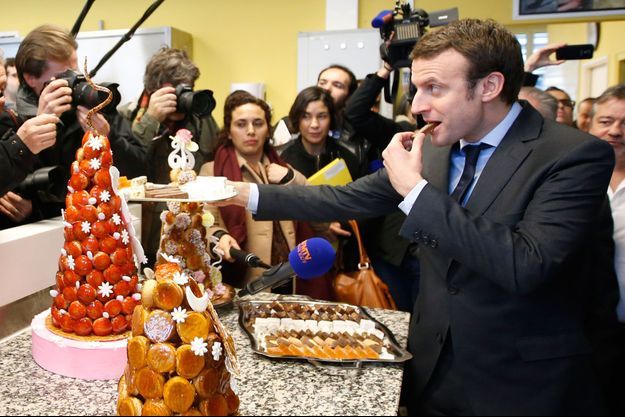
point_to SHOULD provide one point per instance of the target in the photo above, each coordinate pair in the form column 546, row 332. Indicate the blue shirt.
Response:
column 493, row 138
column 456, row 166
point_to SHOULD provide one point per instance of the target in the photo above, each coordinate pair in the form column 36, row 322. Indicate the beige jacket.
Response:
column 259, row 233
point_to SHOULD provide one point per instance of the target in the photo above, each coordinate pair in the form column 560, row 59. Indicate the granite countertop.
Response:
column 267, row 386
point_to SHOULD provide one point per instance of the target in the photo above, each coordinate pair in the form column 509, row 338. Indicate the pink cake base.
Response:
column 83, row 360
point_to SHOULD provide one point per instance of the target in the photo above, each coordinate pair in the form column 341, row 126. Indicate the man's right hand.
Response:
column 163, row 103
column 55, row 98
column 39, row 133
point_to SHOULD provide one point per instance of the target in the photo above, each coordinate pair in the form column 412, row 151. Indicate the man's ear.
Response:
column 492, row 86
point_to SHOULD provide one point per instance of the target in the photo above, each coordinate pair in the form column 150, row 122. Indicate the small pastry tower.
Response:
column 184, row 225
column 180, row 357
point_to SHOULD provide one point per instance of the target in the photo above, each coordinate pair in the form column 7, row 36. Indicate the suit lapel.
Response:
column 506, row 159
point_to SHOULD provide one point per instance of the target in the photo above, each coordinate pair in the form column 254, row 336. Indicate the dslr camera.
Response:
column 199, row 103
column 48, row 184
column 83, row 94
column 402, row 27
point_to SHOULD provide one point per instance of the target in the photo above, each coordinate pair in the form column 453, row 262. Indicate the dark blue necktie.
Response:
column 471, row 152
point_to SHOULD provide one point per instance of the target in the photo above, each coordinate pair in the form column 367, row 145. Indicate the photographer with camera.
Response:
column 168, row 104
column 46, row 61
column 18, row 147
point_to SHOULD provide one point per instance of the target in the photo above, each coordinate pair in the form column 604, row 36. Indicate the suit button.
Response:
column 434, row 244
column 453, row 290
column 439, row 338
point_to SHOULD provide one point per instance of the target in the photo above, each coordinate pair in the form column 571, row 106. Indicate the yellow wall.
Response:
column 256, row 40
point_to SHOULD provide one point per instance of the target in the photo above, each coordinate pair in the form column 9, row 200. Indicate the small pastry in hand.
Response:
column 179, row 394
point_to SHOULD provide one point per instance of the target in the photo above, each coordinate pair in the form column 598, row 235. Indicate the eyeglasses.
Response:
column 567, row 103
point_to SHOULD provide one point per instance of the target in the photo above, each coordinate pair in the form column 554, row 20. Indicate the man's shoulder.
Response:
column 568, row 138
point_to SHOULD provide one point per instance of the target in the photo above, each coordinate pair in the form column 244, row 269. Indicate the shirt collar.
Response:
column 495, row 136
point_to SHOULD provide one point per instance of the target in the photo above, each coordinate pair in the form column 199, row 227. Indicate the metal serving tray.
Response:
column 247, row 309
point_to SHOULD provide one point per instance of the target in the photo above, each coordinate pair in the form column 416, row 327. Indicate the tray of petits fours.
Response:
column 323, row 333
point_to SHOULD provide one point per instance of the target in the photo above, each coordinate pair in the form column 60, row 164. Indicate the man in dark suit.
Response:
column 517, row 280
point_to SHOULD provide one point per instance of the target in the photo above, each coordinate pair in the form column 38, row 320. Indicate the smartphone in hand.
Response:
column 571, row 52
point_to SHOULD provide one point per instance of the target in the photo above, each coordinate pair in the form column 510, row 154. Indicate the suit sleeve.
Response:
column 370, row 196
column 521, row 258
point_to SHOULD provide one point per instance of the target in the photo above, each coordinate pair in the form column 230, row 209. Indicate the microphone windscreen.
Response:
column 383, row 17
column 312, row 258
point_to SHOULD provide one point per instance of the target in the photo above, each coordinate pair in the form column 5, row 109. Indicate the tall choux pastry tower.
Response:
column 180, row 357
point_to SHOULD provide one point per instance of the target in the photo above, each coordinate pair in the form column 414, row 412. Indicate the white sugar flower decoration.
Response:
column 95, row 164
column 181, row 278
column 170, row 259
column 199, row 346
column 179, row 315
column 95, row 143
column 105, row 196
column 86, row 227
column 71, row 263
column 125, row 237
column 116, row 218
column 217, row 350
column 105, row 290
column 234, row 385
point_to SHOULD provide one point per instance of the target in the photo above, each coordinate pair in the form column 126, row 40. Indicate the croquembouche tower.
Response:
column 180, row 357
column 97, row 284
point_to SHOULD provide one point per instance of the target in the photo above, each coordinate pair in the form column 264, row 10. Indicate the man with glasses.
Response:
column 565, row 106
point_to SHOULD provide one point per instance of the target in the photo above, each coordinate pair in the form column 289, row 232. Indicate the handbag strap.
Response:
column 365, row 262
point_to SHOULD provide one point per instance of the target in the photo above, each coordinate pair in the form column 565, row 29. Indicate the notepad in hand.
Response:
column 335, row 173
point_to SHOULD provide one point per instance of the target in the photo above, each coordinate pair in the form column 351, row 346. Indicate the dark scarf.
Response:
column 227, row 165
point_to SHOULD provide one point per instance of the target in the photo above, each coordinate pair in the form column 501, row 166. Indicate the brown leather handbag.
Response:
column 362, row 287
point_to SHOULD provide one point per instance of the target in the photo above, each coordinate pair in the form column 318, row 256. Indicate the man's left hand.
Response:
column 404, row 161
column 98, row 121
column 15, row 207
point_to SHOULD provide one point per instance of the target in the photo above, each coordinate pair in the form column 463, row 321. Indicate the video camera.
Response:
column 200, row 103
column 48, row 184
column 402, row 28
column 83, row 94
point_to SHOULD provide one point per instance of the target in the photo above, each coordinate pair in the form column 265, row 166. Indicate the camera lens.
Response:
column 85, row 95
column 203, row 103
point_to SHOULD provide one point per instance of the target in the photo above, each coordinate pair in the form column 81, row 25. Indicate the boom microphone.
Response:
column 248, row 258
column 384, row 17
column 310, row 259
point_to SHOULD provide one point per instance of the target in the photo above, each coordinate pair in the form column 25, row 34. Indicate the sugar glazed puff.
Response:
column 181, row 359
column 97, row 286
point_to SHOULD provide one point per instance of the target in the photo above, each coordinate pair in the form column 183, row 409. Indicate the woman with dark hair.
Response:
column 312, row 116
column 245, row 154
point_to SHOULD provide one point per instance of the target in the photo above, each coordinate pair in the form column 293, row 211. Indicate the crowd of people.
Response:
column 503, row 233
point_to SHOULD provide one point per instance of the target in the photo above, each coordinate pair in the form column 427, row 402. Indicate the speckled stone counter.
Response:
column 267, row 386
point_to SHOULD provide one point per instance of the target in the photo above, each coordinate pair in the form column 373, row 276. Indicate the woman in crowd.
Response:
column 312, row 116
column 245, row 154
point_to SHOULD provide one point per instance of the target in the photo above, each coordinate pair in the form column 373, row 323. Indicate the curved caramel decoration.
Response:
column 100, row 106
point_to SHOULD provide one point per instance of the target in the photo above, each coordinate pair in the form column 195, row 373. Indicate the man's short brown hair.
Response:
column 616, row 92
column 487, row 45
column 47, row 42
